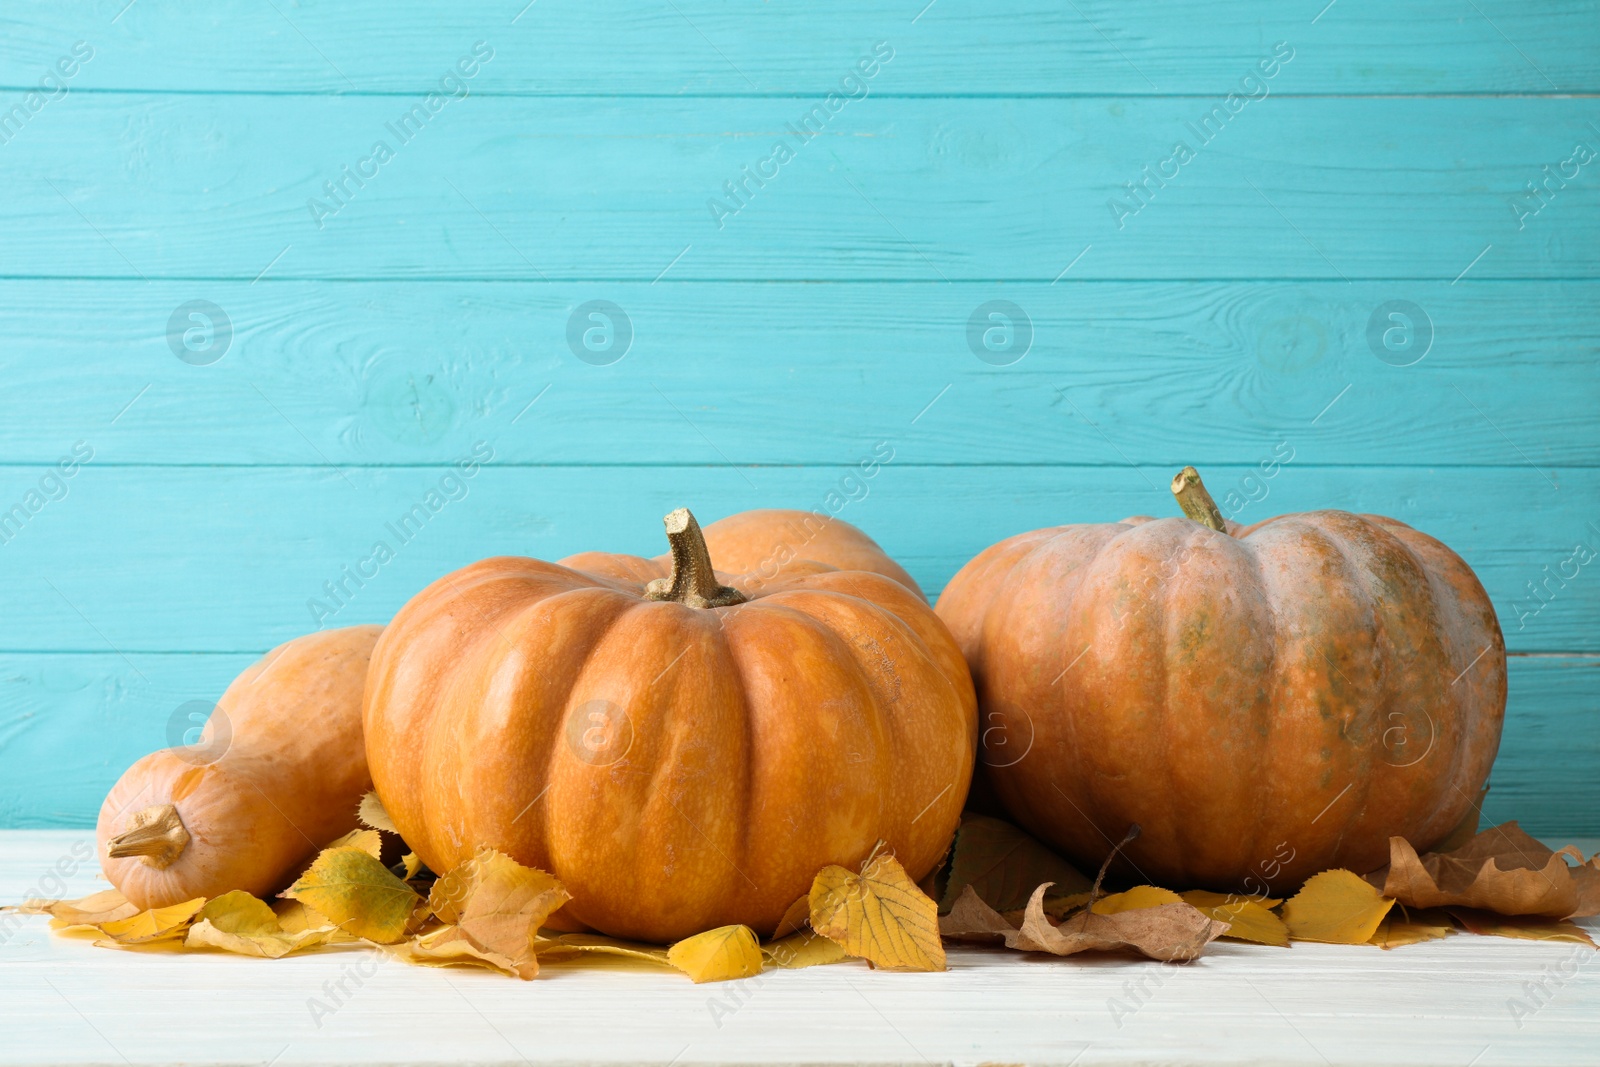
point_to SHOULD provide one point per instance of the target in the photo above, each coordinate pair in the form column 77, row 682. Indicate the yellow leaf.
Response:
column 803, row 949
column 157, row 924
column 1143, row 896
column 294, row 918
column 499, row 905
column 413, row 864
column 718, row 955
column 798, row 916
column 104, row 906
column 368, row 841
column 603, row 945
column 1337, row 908
column 1003, row 865
column 449, row 947
column 1524, row 927
column 357, row 893
column 1248, row 919
column 371, row 813
column 1410, row 927
column 238, row 922
column 878, row 915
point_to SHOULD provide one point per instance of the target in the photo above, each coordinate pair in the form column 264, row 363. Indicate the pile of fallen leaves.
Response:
column 998, row 886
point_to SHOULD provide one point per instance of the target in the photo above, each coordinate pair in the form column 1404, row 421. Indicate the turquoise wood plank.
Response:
column 534, row 189
column 377, row 373
column 70, row 724
column 224, row 559
column 715, row 46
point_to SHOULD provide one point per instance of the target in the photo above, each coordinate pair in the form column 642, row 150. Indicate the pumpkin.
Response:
column 682, row 750
column 278, row 772
column 765, row 543
column 1265, row 701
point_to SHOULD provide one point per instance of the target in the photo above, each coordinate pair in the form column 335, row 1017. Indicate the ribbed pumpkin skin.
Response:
column 1305, row 687
column 736, row 752
column 289, row 781
column 759, row 544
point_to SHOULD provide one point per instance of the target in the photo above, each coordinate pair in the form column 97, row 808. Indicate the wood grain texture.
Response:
column 1317, row 1005
column 50, row 704
column 948, row 190
column 223, row 559
column 952, row 47
column 380, row 373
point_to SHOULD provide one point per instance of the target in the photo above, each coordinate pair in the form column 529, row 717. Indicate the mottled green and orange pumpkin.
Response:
column 1266, row 701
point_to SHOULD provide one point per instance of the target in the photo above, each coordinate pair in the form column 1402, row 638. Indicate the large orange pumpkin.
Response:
column 1266, row 702
column 278, row 772
column 682, row 753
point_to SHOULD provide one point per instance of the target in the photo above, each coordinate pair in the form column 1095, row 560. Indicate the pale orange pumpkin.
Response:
column 1266, row 702
column 278, row 772
column 681, row 751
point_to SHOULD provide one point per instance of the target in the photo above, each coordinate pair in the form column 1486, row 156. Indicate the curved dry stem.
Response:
column 156, row 833
column 1195, row 501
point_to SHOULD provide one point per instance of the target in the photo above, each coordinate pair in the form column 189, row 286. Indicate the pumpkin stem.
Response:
column 1195, row 501
column 156, row 833
column 693, row 582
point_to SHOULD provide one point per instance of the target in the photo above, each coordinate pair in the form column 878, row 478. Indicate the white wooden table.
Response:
column 67, row 1002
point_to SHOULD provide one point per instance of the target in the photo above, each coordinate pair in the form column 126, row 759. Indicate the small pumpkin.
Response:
column 765, row 544
column 1266, row 701
column 278, row 772
column 682, row 750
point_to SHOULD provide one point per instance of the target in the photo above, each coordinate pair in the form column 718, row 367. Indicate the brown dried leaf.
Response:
column 878, row 915
column 970, row 919
column 1177, row 931
column 1003, row 865
column 1337, row 908
column 1524, row 927
column 1501, row 870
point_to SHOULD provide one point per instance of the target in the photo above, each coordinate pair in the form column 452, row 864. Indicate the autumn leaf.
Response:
column 1167, row 931
column 1248, row 918
column 878, row 915
column 368, row 841
column 577, row 944
column 1403, row 926
column 1143, row 896
column 718, row 955
column 371, row 813
column 1003, row 865
column 803, row 949
column 1501, row 870
column 970, row 919
column 357, row 893
column 449, row 947
column 156, row 924
column 499, row 905
column 104, row 906
column 238, row 922
column 1527, row 928
column 797, row 917
column 1335, row 907
column 412, row 865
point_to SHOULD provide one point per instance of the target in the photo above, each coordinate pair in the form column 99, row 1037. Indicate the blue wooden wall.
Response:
column 268, row 269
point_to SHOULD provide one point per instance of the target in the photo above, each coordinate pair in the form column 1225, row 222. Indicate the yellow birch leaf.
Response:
column 1523, row 927
column 1337, row 908
column 878, row 915
column 412, row 863
column 803, row 949
column 1143, row 896
column 238, row 922
column 104, row 906
column 796, row 918
column 449, row 947
column 295, row 917
column 1413, row 926
column 371, row 813
column 357, row 893
column 579, row 944
column 156, row 924
column 368, row 841
column 718, row 955
column 499, row 905
column 1248, row 919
